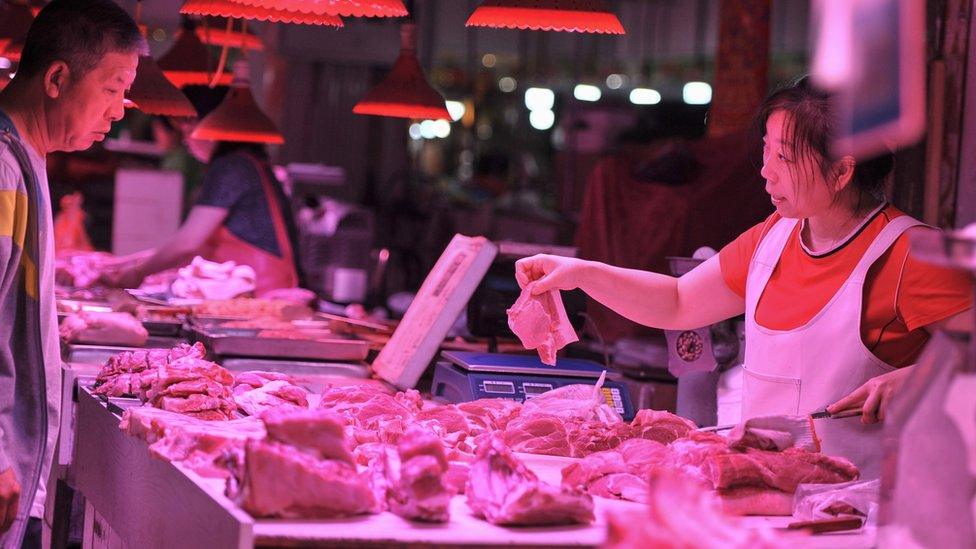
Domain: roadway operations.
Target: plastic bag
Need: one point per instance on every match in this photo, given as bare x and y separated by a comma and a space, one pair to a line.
584, 402
823, 501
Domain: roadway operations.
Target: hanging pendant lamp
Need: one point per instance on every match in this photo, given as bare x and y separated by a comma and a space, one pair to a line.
547, 15
227, 8
215, 33
188, 61
345, 8
238, 117
15, 20
153, 93
405, 92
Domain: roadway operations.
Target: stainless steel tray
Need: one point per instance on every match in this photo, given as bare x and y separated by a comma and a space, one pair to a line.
99, 354
246, 343
164, 328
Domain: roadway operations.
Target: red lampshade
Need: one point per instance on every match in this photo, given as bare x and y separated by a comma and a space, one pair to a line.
238, 117
218, 35
547, 15
15, 20
153, 93
227, 8
405, 93
188, 62
345, 8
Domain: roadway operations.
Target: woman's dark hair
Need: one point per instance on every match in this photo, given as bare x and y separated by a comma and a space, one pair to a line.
810, 127
80, 33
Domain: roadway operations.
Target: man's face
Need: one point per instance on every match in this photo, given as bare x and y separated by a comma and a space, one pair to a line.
85, 107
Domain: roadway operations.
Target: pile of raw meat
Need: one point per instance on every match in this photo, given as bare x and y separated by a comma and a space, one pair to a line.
203, 279
81, 269
363, 449
177, 380
749, 481
181, 380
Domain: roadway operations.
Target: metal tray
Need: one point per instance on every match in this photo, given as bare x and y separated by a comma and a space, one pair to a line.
246, 343
99, 354
163, 328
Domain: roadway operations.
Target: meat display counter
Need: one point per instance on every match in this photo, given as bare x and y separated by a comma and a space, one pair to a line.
134, 499
143, 501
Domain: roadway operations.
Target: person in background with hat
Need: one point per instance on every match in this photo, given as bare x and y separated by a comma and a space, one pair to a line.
241, 213
79, 58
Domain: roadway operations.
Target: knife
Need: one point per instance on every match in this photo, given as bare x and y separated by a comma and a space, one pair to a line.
822, 414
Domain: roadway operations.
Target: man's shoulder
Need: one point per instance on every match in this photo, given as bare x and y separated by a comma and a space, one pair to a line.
11, 174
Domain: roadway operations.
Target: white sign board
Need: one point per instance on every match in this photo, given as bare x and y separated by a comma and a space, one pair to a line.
443, 295
148, 207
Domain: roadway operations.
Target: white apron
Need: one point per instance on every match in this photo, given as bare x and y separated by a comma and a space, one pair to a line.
804, 370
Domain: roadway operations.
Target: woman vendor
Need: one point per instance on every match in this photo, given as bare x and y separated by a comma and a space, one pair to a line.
837, 310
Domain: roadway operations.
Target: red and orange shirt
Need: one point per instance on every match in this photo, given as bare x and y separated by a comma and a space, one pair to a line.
902, 295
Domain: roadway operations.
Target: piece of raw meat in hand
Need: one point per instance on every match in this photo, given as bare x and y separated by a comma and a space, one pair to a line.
540, 322
502, 490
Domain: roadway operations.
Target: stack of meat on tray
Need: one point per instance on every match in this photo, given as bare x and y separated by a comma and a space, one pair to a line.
177, 380
364, 449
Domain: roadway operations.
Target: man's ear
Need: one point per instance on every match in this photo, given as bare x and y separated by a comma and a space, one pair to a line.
56, 79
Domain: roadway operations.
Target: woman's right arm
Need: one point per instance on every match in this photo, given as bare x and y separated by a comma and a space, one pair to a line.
698, 298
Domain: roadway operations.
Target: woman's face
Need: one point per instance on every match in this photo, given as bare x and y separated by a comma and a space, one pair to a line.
797, 186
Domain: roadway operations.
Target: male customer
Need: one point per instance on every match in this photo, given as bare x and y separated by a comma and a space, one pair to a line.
79, 58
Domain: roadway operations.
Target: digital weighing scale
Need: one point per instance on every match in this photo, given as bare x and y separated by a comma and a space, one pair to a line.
465, 376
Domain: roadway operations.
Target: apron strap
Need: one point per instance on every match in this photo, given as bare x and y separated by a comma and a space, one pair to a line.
771, 247
277, 217
885, 239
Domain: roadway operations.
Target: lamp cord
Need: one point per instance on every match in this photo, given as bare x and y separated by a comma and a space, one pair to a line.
588, 321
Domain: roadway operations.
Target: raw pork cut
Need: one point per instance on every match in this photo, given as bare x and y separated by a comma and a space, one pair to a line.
682, 515
502, 490
303, 469
410, 479
538, 434
314, 429
663, 427
193, 386
617, 473
103, 329
489, 414
203, 279
371, 413
80, 269
753, 500
779, 470
211, 449
256, 391
540, 322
